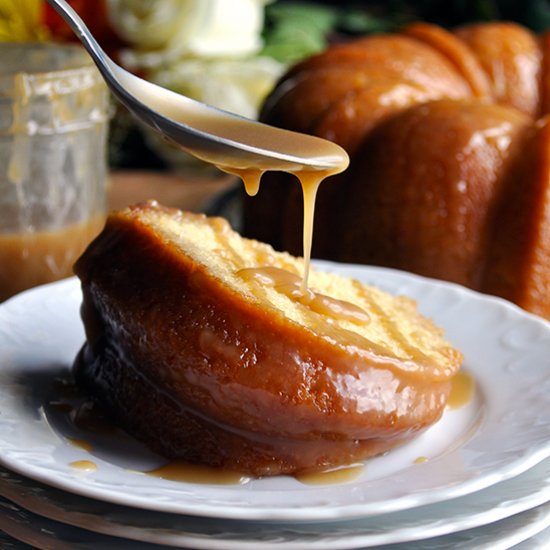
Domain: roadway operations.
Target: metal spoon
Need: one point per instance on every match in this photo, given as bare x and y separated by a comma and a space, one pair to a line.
224, 139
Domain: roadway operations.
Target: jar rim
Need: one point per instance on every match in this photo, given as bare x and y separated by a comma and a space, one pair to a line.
72, 70
41, 59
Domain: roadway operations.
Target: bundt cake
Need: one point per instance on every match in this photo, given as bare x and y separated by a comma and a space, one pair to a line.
203, 345
449, 141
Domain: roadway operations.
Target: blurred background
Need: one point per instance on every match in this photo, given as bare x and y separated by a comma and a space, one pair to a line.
230, 54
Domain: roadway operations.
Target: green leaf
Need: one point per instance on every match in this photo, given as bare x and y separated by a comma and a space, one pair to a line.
295, 30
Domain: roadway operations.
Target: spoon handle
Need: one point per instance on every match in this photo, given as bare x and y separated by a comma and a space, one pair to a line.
85, 36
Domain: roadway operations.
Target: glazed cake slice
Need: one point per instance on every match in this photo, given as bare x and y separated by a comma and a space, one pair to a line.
203, 345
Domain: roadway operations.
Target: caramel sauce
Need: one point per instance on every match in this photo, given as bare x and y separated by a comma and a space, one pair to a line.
301, 148
178, 470
462, 390
88, 418
251, 178
310, 184
332, 477
80, 443
295, 152
86, 465
292, 148
30, 259
290, 285
286, 144
310, 181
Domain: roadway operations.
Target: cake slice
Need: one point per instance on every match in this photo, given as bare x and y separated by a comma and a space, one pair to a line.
203, 345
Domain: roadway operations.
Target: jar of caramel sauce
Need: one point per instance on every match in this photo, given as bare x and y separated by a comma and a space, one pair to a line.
54, 109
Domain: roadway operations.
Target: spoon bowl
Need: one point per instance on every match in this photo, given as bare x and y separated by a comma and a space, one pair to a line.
229, 141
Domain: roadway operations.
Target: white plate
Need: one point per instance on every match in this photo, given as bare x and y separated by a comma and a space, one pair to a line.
501, 433
47, 534
501, 501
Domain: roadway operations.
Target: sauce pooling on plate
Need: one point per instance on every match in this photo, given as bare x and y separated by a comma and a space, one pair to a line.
337, 476
92, 432
179, 470
89, 421
462, 390
85, 465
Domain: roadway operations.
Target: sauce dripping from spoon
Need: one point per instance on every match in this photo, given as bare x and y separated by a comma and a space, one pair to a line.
310, 180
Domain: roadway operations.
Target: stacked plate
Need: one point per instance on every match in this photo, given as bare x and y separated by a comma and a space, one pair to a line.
479, 478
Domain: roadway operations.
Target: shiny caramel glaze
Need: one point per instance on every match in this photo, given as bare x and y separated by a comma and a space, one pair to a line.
292, 285
85, 465
224, 373
449, 146
511, 57
443, 201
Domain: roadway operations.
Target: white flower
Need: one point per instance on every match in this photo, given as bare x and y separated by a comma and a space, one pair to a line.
204, 49
162, 31
235, 85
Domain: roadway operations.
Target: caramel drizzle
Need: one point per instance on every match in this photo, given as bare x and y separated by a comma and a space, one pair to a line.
310, 181
284, 281
291, 285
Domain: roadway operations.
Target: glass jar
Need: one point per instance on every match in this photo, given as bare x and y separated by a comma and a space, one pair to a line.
54, 109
